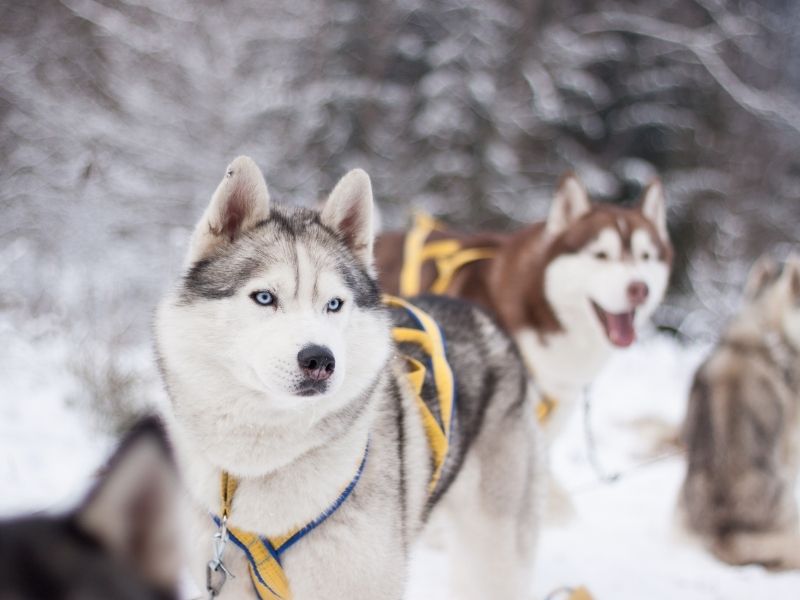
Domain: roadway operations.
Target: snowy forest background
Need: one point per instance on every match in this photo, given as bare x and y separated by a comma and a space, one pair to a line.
118, 117
117, 120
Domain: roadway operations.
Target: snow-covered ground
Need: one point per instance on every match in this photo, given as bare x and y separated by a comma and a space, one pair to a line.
48, 451
622, 544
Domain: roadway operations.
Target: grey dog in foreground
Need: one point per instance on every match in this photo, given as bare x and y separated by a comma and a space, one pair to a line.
277, 353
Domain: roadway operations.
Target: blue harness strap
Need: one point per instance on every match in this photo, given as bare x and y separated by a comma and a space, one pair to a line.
308, 528
264, 554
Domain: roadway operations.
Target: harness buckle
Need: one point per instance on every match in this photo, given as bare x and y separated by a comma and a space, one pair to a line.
216, 571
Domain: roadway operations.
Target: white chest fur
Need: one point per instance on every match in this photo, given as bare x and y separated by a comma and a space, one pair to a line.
562, 366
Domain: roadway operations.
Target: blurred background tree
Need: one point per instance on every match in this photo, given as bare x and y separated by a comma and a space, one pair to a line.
117, 119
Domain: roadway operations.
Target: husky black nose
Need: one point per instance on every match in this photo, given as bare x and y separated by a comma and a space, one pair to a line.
316, 362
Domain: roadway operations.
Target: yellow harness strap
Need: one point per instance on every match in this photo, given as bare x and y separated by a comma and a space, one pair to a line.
264, 554
414, 243
228, 489
266, 573
448, 255
545, 408
429, 339
580, 593
268, 577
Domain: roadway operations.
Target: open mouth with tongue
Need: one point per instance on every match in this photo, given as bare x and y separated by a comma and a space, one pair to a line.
619, 327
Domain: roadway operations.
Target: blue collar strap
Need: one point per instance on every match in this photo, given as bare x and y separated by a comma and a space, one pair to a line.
264, 554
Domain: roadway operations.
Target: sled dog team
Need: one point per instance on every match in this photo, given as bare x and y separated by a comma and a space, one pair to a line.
323, 408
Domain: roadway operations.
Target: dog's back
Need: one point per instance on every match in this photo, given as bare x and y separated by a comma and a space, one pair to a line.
119, 545
741, 434
733, 434
489, 378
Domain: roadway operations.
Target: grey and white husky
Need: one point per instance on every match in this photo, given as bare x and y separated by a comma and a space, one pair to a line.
742, 429
277, 353
122, 543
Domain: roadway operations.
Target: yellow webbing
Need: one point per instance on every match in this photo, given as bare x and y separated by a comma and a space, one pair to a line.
229, 485
268, 577
412, 254
545, 408
448, 255
448, 266
429, 339
580, 593
263, 554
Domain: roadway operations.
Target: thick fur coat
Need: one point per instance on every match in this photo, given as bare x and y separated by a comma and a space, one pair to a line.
742, 429
262, 285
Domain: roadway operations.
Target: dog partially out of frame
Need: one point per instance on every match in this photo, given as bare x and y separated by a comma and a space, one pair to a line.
277, 353
122, 543
568, 290
742, 429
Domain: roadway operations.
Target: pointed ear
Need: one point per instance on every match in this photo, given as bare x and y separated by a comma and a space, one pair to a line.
762, 273
133, 510
791, 276
348, 212
570, 203
653, 207
241, 201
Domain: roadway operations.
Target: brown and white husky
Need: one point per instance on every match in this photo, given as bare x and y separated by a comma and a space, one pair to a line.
568, 290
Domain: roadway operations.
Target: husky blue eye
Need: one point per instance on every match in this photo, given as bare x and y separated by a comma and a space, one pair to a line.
263, 298
334, 304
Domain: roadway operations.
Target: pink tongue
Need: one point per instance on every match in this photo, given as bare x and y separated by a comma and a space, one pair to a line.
620, 329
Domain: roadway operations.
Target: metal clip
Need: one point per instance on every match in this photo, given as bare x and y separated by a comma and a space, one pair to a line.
216, 571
